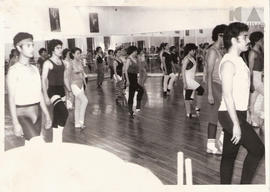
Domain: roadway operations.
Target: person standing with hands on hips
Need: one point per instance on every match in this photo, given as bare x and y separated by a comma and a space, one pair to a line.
232, 115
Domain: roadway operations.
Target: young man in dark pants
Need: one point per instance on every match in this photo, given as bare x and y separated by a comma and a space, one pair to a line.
235, 79
54, 80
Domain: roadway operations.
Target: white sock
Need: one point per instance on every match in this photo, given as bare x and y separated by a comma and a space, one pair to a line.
211, 143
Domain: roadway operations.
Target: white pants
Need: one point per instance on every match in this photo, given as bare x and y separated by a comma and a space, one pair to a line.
80, 104
166, 79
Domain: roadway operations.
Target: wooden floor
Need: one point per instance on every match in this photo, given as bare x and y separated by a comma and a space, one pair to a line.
152, 139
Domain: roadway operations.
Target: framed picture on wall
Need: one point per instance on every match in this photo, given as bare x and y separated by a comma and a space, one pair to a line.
107, 41
187, 32
93, 19
54, 19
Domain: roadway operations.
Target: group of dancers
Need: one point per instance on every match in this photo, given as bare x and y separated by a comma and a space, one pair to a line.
61, 83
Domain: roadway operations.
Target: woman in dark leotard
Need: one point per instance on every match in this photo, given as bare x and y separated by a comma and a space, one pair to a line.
118, 76
132, 70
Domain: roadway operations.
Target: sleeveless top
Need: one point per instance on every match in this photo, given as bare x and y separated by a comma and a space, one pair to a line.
258, 61
133, 67
168, 61
241, 83
119, 68
215, 73
56, 74
99, 61
77, 74
27, 82
190, 69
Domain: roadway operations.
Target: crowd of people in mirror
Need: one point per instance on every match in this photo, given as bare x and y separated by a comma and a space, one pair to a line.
232, 66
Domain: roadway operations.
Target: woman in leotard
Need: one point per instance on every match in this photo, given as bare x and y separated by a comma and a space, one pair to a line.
118, 67
77, 83
132, 70
142, 70
99, 66
189, 66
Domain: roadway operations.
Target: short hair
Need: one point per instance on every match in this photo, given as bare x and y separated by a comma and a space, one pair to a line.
162, 45
41, 50
232, 31
139, 50
131, 49
110, 51
73, 51
97, 49
117, 50
21, 36
217, 30
52, 44
189, 47
65, 52
255, 36
172, 48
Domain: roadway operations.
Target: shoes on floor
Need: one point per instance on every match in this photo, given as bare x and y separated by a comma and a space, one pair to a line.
214, 151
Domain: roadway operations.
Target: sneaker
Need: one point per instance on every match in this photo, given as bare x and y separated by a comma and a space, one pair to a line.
168, 91
164, 93
138, 110
197, 111
213, 150
189, 115
211, 147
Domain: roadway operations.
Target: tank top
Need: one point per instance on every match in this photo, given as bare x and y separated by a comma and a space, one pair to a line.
190, 68
56, 74
27, 82
119, 68
241, 83
133, 67
215, 73
99, 61
258, 61
168, 61
77, 74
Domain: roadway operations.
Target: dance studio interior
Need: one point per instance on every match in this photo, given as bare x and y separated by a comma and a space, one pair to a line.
135, 85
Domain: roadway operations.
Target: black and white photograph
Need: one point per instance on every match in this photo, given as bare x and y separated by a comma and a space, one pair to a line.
54, 19
152, 98
93, 20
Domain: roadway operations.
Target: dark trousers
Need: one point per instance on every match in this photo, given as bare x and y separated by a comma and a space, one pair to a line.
134, 86
100, 76
111, 71
249, 140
